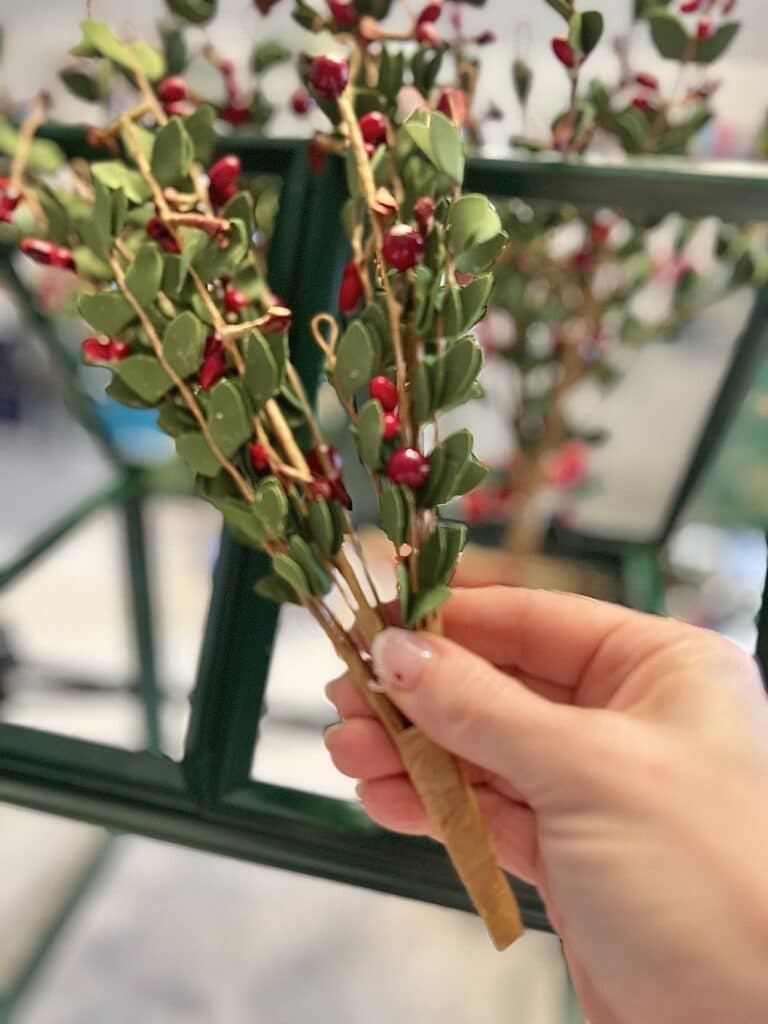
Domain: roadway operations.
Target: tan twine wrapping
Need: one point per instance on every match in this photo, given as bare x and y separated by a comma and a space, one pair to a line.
451, 806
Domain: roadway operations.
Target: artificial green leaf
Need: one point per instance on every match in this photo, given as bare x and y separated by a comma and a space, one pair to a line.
319, 580
394, 514
669, 35
430, 559
417, 128
184, 342
522, 77
472, 476
228, 417
426, 603
447, 146
391, 72
289, 570
455, 535
144, 375
403, 589
459, 370
453, 318
273, 588
44, 155
321, 526
240, 207
267, 54
355, 360
173, 420
107, 312
196, 11
459, 446
120, 392
119, 210
421, 396
591, 31
340, 523
172, 154
709, 50
89, 265
145, 274
370, 433
271, 504
56, 216
278, 346
194, 450
174, 50
199, 127
92, 88
438, 462
116, 175
474, 300
261, 376
149, 60
243, 523
216, 261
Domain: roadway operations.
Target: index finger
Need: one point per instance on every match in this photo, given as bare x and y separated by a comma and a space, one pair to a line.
550, 635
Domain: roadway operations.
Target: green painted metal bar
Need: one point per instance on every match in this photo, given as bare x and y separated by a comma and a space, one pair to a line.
142, 617
67, 366
239, 635
80, 887
761, 651
749, 352
113, 493
143, 794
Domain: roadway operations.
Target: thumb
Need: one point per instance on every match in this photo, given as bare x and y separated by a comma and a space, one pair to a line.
481, 714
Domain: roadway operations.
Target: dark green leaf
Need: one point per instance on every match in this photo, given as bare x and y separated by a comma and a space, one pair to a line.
228, 417
183, 343
319, 580
261, 377
116, 175
196, 11
145, 274
709, 50
273, 588
272, 505
355, 360
172, 154
522, 77
669, 35
199, 127
267, 54
394, 514
421, 397
370, 433
472, 476
243, 523
321, 527
460, 361
340, 525
425, 603
144, 375
88, 87
289, 570
455, 535
430, 560
107, 312
591, 31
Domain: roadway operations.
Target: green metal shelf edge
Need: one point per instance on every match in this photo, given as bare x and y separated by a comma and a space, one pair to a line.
736, 191
278, 827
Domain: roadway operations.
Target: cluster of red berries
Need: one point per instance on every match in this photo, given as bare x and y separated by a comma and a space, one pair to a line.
405, 466
104, 350
10, 197
222, 178
47, 253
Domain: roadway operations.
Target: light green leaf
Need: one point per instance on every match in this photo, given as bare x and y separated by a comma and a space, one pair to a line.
447, 147
271, 505
228, 417
107, 312
183, 343
172, 154
116, 175
199, 127
261, 376
355, 360
194, 450
321, 526
145, 274
370, 433
394, 514
144, 375
289, 570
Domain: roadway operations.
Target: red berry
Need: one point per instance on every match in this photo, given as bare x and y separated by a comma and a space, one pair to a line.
172, 89
234, 113
370, 149
486, 38
431, 12
214, 346
276, 320
391, 425
641, 103
343, 11
690, 6
427, 34
567, 466
647, 80
385, 392
319, 487
564, 51
424, 212
373, 127
212, 370
96, 350
329, 76
159, 233
48, 254
225, 171
403, 247
235, 300
453, 104
704, 28
301, 102
350, 290
324, 461
220, 196
119, 350
259, 457
409, 467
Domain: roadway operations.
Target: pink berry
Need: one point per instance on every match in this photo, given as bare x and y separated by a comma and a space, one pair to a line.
225, 171
259, 457
385, 392
403, 247
373, 127
409, 467
343, 11
235, 300
301, 102
564, 51
424, 212
329, 76
172, 89
391, 425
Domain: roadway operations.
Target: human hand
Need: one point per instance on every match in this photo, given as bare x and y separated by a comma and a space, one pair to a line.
621, 761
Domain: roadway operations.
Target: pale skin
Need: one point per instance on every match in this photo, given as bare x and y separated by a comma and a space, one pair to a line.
621, 761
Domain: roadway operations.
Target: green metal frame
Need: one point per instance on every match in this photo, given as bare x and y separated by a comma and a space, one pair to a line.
208, 800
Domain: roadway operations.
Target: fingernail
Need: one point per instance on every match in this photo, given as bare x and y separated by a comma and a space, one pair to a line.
400, 658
